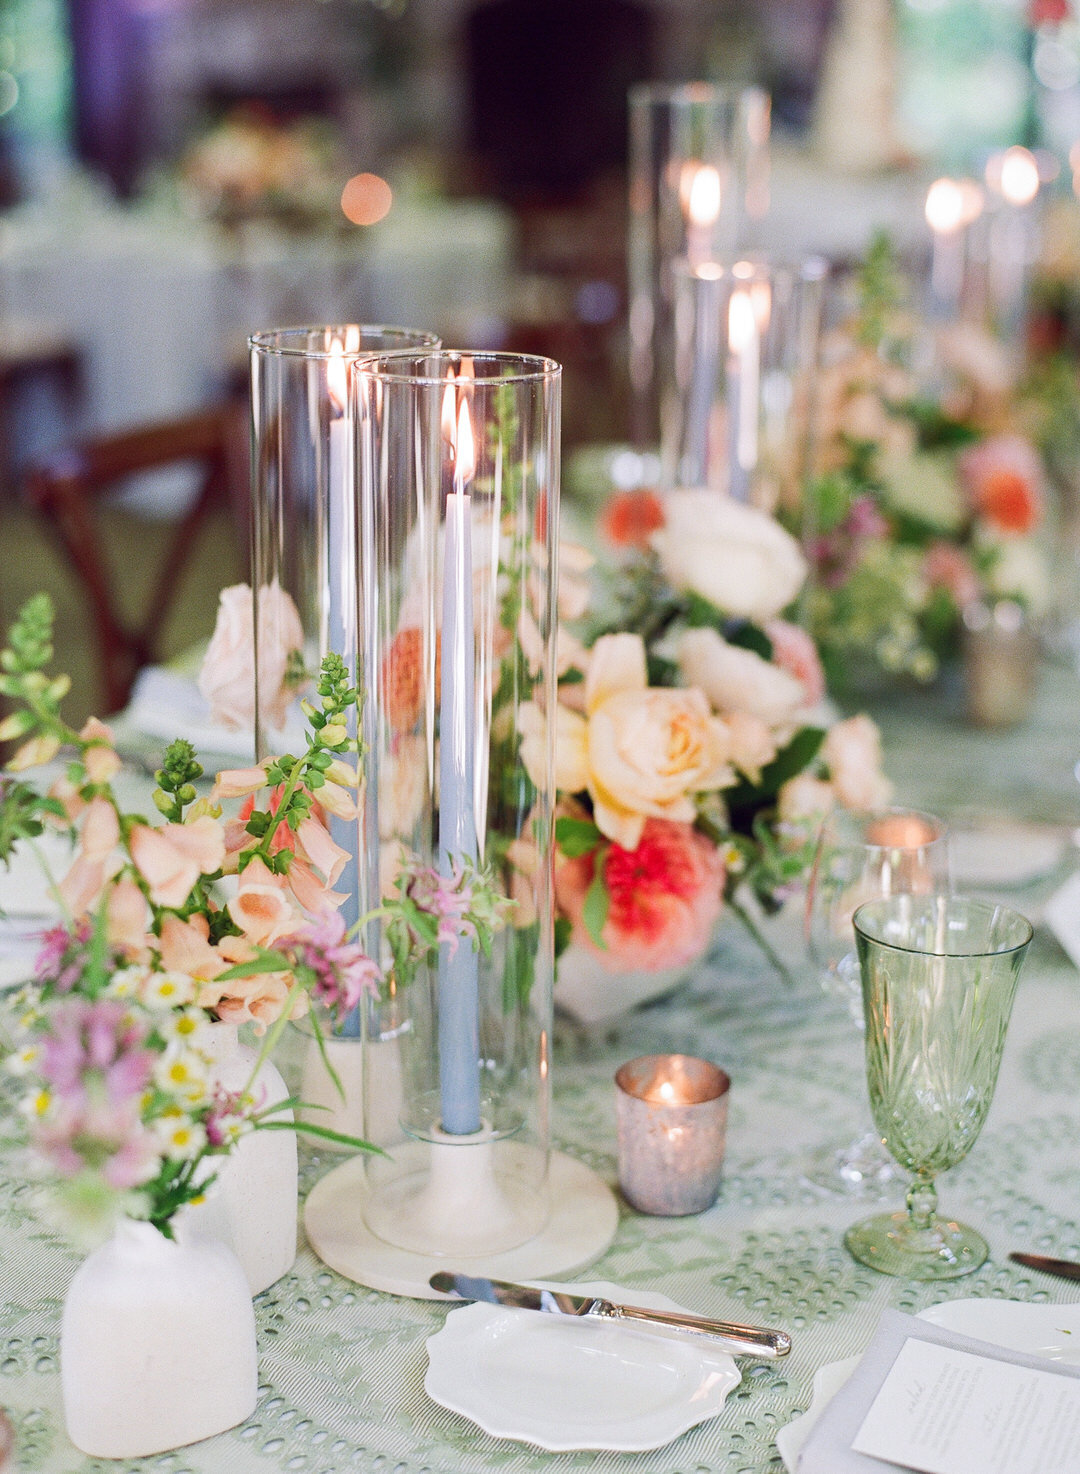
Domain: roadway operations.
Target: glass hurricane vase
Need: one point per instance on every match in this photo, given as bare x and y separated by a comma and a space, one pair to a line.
939, 975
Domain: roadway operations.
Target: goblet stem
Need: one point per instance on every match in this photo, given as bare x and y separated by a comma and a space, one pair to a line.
922, 1204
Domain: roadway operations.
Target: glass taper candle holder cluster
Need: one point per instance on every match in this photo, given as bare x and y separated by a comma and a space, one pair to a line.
457, 460
736, 407
303, 551
939, 975
699, 183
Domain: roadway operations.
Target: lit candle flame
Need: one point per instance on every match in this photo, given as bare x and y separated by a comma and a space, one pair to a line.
944, 206
666, 1091
464, 448
703, 195
1017, 175
742, 324
337, 376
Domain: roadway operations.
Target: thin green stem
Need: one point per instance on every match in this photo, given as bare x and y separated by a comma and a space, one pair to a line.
763, 942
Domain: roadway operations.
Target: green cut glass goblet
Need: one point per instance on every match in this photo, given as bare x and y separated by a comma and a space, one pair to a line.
939, 974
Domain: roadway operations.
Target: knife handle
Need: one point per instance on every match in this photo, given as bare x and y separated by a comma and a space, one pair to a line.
740, 1340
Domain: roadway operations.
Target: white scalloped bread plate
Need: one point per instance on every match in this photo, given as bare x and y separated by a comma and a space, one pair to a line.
564, 1384
1051, 1331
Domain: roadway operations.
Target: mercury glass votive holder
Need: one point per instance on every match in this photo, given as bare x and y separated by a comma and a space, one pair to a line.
672, 1122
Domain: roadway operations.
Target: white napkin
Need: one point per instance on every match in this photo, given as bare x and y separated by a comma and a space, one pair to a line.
168, 705
828, 1448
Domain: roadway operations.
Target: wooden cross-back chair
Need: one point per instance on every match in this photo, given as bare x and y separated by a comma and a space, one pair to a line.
65, 487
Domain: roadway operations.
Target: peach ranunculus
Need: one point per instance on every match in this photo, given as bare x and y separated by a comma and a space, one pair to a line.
666, 895
735, 679
644, 751
227, 678
630, 518
1003, 478
172, 858
736, 556
852, 753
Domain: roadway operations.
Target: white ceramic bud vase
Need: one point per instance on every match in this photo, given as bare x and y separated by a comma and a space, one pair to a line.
252, 1206
157, 1345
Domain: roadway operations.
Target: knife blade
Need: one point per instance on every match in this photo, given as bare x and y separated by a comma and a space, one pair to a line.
1066, 1269
730, 1336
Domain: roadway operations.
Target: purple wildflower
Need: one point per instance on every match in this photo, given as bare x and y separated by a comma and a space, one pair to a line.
342, 971
448, 899
95, 1048
63, 956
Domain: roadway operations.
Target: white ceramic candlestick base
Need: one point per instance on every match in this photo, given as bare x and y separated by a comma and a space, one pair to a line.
580, 1226
460, 1196
157, 1345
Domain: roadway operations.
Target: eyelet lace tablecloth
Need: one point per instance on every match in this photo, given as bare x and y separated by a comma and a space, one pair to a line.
342, 1368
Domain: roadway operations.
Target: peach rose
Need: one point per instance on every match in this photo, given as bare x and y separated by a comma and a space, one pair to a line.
852, 752
735, 679
644, 750
752, 744
804, 798
666, 895
227, 678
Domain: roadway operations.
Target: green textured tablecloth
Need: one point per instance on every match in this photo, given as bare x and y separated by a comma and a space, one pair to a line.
342, 1368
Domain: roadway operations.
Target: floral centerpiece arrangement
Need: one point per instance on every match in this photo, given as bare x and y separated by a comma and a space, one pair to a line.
694, 754
168, 927
927, 495
251, 164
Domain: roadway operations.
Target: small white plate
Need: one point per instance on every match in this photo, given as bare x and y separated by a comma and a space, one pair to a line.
565, 1384
1050, 1331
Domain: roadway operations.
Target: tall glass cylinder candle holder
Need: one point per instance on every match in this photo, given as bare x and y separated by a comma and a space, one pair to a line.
458, 493
737, 412
303, 546
699, 180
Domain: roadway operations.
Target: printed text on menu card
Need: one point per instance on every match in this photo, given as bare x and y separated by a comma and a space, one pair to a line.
943, 1411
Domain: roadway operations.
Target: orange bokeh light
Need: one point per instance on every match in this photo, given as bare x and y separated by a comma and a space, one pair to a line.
366, 199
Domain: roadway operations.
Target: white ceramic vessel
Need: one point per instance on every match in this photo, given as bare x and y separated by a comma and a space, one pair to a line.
251, 1208
157, 1345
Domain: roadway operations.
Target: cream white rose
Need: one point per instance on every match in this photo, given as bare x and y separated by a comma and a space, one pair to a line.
227, 678
737, 557
738, 680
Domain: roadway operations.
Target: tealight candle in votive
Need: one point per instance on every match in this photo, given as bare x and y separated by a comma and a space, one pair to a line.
905, 834
672, 1119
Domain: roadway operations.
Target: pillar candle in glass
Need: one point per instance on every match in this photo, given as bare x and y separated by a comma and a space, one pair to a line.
672, 1122
458, 463
304, 530
699, 172
737, 407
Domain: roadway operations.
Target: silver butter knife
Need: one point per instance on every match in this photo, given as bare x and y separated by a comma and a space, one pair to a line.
728, 1336
1066, 1269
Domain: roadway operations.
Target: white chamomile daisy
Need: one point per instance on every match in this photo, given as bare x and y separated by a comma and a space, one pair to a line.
180, 1136
185, 1029
37, 1105
183, 1075
22, 1060
127, 982
167, 989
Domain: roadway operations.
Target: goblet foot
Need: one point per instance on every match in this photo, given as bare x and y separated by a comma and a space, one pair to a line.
892, 1244
862, 1169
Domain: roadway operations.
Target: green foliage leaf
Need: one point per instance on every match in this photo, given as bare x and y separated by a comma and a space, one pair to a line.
576, 837
750, 637
597, 905
795, 758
